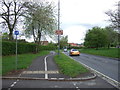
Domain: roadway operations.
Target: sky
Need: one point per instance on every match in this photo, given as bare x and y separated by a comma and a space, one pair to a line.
77, 16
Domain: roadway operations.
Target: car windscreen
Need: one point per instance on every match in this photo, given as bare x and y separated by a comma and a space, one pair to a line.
74, 50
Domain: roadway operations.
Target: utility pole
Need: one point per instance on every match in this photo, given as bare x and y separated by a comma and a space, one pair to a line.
58, 27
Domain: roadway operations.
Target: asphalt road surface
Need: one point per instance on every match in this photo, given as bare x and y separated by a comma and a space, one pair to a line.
95, 83
106, 66
44, 64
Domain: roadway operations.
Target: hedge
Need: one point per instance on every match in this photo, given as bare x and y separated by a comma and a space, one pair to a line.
9, 48
48, 47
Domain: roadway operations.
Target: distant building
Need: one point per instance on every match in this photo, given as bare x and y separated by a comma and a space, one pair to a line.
73, 44
44, 43
76, 45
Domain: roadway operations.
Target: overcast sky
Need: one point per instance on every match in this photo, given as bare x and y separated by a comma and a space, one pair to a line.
77, 16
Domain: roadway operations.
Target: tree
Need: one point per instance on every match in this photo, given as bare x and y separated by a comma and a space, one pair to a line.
95, 38
64, 42
112, 36
11, 11
115, 17
40, 20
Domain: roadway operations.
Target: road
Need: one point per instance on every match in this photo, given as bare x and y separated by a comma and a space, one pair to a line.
95, 83
106, 66
38, 69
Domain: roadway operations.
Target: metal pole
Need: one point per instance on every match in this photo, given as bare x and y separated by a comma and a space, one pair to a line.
58, 26
16, 54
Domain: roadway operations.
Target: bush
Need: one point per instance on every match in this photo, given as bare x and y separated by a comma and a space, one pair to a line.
9, 48
74, 47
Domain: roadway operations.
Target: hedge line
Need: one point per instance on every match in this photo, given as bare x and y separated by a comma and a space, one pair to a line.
9, 48
76, 47
49, 47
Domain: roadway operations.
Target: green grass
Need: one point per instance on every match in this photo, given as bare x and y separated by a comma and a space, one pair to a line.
68, 66
24, 60
112, 52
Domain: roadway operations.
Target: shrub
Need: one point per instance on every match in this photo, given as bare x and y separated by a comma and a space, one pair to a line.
74, 47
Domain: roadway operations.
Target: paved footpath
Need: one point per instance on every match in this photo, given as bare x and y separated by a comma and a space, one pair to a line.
44, 73
43, 67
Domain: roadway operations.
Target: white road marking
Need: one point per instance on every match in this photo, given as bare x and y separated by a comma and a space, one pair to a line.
75, 84
46, 75
12, 85
45, 60
40, 72
77, 87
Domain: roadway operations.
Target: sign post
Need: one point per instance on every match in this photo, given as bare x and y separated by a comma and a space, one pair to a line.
59, 32
16, 61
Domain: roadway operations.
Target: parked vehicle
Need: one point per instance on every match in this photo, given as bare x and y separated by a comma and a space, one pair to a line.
74, 52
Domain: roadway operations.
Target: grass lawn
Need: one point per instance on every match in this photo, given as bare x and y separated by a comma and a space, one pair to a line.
68, 66
24, 60
112, 52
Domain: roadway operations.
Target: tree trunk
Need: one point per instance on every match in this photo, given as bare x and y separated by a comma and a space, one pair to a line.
39, 39
108, 46
11, 36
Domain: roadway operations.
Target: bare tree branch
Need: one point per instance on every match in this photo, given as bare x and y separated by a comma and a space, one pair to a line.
11, 11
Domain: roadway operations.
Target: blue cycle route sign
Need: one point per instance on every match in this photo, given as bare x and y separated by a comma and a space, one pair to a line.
16, 32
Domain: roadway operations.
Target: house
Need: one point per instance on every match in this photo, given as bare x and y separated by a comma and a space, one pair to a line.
73, 44
44, 43
76, 45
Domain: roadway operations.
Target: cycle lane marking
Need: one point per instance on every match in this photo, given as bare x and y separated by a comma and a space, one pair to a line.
45, 61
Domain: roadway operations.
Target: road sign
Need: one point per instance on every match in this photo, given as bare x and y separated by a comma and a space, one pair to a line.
59, 32
16, 32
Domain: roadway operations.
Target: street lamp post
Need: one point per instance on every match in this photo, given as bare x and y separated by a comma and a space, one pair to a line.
58, 27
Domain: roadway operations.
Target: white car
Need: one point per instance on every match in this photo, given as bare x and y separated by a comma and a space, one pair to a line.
65, 50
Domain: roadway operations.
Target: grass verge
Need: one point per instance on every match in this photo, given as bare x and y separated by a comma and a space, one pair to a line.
112, 52
68, 66
24, 60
